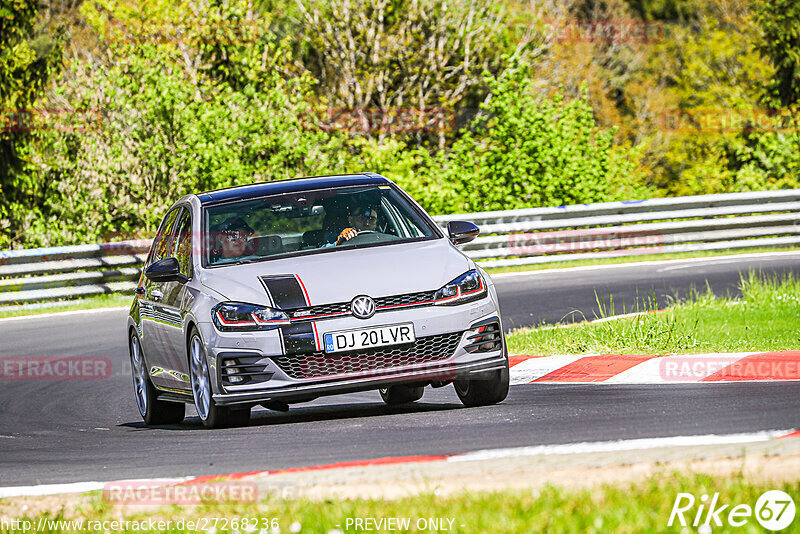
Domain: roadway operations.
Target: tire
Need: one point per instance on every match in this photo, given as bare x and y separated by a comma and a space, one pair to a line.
152, 410
394, 395
211, 414
483, 389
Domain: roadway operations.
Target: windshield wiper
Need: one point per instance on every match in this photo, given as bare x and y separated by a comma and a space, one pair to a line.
242, 262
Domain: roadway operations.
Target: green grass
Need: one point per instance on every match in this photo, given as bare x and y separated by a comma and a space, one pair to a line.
765, 318
102, 301
633, 507
636, 259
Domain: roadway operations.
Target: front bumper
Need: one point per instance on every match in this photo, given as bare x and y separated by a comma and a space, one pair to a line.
266, 349
439, 372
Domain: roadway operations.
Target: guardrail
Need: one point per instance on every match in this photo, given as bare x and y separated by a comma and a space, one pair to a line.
513, 237
45, 274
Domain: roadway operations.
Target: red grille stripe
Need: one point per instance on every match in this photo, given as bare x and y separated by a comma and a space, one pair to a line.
305, 293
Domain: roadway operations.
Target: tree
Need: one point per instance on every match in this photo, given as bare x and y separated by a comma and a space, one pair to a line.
530, 152
401, 60
779, 21
171, 118
27, 60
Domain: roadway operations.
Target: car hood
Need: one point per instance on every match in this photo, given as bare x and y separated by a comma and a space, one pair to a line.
340, 275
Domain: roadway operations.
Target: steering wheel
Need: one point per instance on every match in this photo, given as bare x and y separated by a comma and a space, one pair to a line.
366, 236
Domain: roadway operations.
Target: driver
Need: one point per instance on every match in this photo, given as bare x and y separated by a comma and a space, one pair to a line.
361, 219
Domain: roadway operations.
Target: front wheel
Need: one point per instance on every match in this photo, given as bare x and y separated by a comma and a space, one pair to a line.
211, 414
483, 389
152, 410
394, 395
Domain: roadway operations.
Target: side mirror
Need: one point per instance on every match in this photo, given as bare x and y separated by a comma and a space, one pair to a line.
461, 232
166, 270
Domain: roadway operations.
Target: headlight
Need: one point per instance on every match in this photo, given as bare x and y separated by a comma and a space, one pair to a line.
237, 317
467, 287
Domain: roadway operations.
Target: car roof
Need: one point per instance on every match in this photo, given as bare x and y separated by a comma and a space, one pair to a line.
294, 185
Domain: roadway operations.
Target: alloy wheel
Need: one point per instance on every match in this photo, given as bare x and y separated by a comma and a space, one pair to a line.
139, 375
201, 386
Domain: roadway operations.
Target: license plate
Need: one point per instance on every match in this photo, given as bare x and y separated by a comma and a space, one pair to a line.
367, 338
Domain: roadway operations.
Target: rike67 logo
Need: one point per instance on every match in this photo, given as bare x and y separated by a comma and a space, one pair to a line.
774, 510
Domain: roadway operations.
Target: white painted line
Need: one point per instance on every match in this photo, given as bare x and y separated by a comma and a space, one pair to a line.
621, 445
62, 314
75, 487
539, 272
691, 266
49, 489
582, 323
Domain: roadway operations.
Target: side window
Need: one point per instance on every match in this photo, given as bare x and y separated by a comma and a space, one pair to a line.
182, 248
162, 241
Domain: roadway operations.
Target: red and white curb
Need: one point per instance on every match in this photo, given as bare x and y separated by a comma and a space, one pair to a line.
489, 454
643, 369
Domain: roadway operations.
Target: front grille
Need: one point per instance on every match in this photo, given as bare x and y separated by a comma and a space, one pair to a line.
324, 309
318, 364
422, 298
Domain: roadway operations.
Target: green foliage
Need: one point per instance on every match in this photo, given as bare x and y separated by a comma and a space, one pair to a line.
780, 25
528, 152
162, 97
715, 79
394, 55
27, 60
173, 122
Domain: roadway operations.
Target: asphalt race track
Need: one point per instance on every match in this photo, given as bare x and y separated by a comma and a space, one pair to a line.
71, 431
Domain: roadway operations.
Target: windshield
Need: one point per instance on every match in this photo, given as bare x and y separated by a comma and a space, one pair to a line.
309, 222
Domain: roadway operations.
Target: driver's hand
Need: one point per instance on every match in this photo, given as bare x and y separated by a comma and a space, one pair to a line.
347, 233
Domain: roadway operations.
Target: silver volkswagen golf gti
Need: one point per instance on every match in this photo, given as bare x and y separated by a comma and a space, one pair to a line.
279, 293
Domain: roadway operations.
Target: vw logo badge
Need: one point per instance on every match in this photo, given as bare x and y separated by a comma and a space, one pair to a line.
363, 307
